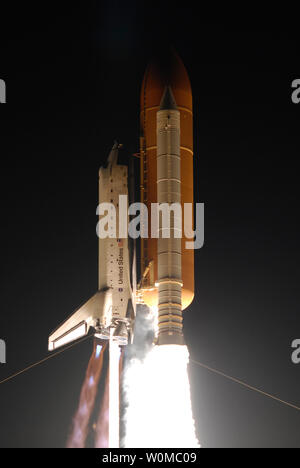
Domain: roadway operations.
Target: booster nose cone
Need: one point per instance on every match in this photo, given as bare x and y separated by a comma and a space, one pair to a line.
168, 101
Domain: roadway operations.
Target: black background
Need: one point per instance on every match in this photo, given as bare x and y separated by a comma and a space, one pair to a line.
73, 80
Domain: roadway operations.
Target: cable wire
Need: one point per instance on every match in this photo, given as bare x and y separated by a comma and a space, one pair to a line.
215, 371
250, 387
43, 360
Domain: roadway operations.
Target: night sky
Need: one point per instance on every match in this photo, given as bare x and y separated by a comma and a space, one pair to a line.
73, 80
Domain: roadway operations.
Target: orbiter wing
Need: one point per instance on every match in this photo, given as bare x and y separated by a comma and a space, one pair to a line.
98, 309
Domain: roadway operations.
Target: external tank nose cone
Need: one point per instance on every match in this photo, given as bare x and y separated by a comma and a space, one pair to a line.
166, 69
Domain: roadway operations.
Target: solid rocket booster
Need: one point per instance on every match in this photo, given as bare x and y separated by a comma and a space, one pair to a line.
169, 248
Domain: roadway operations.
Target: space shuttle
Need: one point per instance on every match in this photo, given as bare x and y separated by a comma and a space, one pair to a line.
166, 282
110, 312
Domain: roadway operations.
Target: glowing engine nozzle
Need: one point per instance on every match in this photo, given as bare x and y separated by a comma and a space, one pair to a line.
170, 338
120, 335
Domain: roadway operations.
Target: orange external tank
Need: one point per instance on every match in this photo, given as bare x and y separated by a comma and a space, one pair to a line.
165, 70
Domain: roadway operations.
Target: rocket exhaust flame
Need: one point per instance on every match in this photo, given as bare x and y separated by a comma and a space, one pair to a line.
107, 429
79, 431
159, 411
101, 438
114, 395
